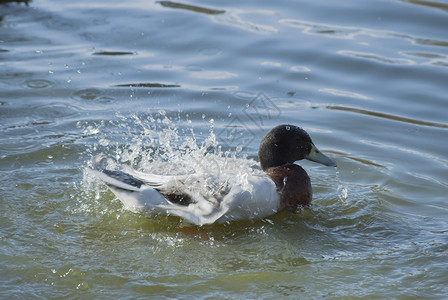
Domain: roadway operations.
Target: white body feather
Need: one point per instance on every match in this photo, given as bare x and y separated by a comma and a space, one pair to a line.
255, 198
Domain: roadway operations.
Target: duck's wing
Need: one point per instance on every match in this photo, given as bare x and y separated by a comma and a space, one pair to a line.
182, 188
99, 164
135, 195
168, 195
153, 180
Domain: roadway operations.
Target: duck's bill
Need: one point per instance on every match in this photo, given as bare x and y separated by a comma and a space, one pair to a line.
317, 156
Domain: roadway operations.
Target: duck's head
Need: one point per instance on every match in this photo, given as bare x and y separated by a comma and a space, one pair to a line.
286, 144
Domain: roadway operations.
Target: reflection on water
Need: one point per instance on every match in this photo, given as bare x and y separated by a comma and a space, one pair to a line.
161, 85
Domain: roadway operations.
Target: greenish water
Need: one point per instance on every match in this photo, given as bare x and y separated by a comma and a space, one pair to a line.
131, 79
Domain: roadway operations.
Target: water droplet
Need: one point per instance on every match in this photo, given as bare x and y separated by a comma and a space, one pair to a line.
104, 142
83, 286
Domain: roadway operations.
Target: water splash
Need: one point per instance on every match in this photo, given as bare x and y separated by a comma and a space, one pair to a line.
342, 193
166, 145
342, 190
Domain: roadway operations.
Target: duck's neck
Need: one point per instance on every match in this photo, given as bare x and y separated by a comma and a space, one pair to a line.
293, 185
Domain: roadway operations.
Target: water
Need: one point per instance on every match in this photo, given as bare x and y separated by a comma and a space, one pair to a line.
147, 81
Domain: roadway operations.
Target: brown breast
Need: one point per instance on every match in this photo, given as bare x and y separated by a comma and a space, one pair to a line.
293, 185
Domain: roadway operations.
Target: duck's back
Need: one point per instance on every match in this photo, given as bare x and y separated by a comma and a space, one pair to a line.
254, 199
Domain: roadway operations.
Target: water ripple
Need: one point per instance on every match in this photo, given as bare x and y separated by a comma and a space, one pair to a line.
148, 85
38, 83
92, 94
433, 4
361, 160
387, 116
344, 93
213, 75
407, 150
210, 51
189, 7
432, 58
376, 57
113, 53
351, 33
234, 18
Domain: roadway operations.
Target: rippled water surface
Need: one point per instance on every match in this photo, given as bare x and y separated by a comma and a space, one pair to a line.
161, 83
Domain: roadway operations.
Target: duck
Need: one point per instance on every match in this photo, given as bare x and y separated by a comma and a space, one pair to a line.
283, 184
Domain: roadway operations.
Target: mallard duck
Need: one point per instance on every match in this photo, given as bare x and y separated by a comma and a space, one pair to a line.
283, 184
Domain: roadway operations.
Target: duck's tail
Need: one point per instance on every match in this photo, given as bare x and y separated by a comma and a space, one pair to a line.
135, 194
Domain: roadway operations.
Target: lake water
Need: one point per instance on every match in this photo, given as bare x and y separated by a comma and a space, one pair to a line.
161, 83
